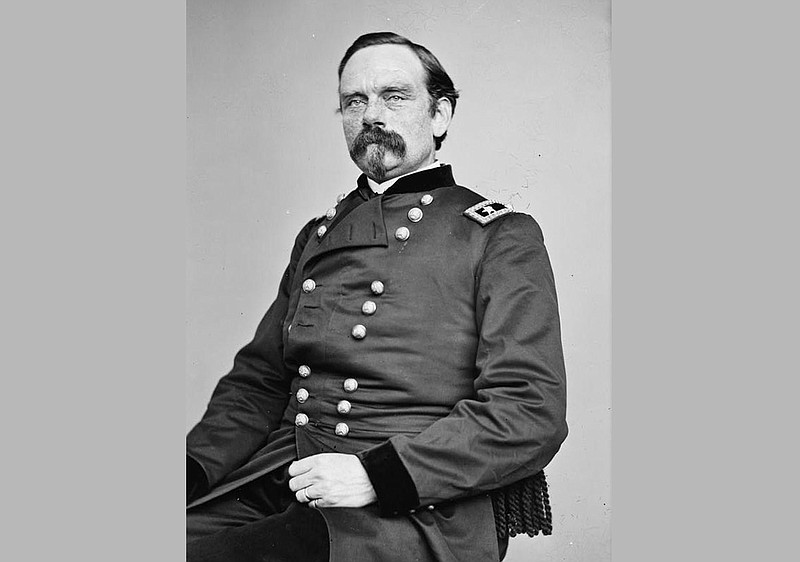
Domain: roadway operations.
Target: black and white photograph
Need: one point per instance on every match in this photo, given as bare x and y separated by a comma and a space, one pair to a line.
398, 281
356, 258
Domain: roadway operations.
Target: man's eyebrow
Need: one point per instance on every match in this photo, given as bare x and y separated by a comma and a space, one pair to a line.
350, 94
399, 88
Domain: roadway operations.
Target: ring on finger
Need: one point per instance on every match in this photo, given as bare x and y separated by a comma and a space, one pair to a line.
305, 495
314, 502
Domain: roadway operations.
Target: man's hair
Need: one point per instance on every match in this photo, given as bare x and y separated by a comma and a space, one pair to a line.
438, 82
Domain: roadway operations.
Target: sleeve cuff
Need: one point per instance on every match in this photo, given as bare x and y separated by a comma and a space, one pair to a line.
392, 483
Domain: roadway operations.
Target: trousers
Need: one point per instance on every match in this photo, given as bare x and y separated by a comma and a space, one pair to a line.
260, 522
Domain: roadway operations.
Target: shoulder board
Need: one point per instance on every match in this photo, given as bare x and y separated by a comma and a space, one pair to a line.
486, 211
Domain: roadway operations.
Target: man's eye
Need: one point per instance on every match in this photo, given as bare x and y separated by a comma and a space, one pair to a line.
355, 102
394, 97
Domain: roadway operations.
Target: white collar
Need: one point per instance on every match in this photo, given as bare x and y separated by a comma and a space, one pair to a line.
381, 187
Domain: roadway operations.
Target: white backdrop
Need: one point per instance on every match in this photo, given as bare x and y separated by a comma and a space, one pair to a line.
532, 128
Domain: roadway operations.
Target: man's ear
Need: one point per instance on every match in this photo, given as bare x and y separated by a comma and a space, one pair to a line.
442, 115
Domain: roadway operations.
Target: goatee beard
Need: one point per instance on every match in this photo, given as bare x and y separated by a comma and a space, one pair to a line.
383, 141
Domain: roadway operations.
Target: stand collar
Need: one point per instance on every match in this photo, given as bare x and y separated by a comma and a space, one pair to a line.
425, 180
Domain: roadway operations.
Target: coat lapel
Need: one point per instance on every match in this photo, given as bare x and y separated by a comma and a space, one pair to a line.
363, 226
359, 221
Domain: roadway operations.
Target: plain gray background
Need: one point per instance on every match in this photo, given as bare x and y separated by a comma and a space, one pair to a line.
532, 128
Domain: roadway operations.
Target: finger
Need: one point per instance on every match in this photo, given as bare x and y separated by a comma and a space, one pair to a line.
302, 481
302, 466
302, 496
307, 494
316, 503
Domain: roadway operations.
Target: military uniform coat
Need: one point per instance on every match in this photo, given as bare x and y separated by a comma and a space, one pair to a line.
425, 340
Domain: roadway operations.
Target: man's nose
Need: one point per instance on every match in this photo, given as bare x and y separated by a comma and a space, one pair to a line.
373, 114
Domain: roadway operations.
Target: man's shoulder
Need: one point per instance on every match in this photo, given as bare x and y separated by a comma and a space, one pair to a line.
480, 210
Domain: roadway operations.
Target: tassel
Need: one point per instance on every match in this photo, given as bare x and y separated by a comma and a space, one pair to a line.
523, 507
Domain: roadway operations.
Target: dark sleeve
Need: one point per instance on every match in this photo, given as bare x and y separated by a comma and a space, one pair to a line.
247, 403
391, 481
516, 421
196, 481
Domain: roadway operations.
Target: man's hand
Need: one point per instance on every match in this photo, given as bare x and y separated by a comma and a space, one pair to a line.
331, 480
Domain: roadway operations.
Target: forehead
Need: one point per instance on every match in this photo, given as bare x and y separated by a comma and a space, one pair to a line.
379, 65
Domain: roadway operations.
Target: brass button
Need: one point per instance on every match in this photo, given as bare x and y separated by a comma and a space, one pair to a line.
321, 231
427, 199
304, 370
430, 508
402, 234
340, 197
300, 420
359, 331
369, 307
377, 287
415, 214
342, 429
302, 395
350, 385
309, 285
330, 213
343, 407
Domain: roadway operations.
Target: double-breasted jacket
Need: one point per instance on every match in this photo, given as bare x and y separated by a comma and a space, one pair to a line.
419, 330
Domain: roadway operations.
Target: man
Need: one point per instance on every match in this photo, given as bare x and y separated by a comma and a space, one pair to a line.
404, 391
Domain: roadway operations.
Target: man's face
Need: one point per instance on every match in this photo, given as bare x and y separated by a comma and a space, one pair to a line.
386, 112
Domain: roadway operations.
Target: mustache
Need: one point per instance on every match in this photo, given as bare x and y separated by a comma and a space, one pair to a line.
388, 140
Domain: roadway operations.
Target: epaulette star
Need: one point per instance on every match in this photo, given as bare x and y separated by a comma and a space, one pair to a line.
486, 211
